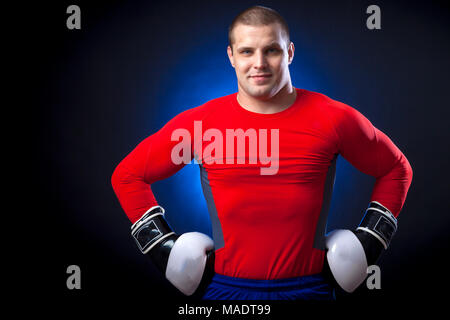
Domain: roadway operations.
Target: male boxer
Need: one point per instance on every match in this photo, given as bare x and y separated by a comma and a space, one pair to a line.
268, 225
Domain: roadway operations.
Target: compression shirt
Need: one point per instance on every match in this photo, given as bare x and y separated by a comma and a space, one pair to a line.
268, 198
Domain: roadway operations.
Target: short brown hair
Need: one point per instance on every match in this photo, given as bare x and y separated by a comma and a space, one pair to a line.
256, 16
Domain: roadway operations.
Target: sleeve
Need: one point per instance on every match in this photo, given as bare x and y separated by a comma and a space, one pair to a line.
149, 162
373, 153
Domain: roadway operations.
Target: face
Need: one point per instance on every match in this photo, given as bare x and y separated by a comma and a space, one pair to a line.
261, 57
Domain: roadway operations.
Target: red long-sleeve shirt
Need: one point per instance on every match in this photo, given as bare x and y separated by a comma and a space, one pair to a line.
266, 225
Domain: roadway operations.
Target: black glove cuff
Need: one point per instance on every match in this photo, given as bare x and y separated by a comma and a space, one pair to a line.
161, 251
151, 229
373, 248
379, 222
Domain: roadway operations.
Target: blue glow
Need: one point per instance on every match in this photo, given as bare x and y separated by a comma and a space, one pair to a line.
197, 77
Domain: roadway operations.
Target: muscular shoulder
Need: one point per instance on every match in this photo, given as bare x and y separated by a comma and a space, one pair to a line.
205, 111
199, 113
328, 105
345, 120
338, 112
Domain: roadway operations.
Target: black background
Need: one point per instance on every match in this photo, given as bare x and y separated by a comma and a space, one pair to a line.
81, 105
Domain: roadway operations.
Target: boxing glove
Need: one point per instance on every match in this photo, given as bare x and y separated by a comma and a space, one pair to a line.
349, 253
186, 260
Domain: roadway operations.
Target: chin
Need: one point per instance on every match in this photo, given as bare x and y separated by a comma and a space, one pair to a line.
263, 92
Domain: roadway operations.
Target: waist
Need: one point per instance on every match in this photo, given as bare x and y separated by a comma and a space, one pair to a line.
285, 284
268, 258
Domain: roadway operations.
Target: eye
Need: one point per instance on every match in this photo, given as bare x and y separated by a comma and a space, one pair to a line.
273, 50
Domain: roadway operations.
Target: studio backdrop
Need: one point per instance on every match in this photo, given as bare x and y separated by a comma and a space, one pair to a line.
101, 87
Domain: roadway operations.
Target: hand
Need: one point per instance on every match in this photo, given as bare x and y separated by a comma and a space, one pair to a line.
349, 253
187, 261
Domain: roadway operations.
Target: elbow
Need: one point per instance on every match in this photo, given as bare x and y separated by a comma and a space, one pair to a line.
117, 178
407, 171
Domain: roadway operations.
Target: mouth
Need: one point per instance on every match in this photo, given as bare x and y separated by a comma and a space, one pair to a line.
261, 77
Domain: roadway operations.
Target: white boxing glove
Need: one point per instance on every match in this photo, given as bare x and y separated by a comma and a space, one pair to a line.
346, 259
187, 261
349, 253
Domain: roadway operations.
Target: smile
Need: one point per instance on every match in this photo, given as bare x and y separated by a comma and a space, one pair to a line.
262, 78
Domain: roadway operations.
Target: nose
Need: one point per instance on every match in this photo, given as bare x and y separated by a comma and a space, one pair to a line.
260, 60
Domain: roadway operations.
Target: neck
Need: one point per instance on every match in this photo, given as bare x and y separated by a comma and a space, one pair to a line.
279, 102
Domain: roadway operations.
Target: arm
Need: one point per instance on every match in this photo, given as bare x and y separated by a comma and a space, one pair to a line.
185, 259
372, 152
149, 162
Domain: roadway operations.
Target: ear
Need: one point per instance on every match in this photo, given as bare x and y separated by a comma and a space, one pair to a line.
291, 50
230, 55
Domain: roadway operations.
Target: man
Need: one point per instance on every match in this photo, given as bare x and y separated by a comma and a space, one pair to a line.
268, 201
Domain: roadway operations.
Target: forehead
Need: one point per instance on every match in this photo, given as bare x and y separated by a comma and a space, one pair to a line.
253, 36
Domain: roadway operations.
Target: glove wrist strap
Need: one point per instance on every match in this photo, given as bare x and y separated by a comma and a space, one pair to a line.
151, 229
379, 222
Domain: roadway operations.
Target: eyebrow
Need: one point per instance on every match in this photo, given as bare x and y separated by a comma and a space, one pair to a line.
273, 44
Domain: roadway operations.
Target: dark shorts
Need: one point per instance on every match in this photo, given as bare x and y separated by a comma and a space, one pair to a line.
313, 287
